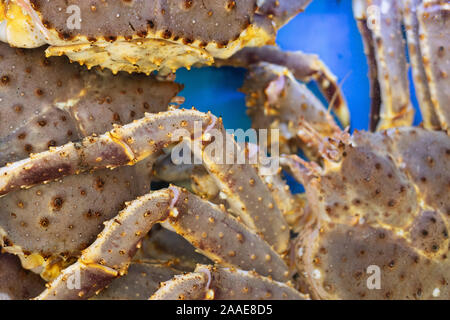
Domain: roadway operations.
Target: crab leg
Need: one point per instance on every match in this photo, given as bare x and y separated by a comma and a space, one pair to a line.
434, 42
200, 182
430, 118
99, 264
386, 39
145, 139
191, 286
228, 242
245, 192
142, 280
122, 146
92, 278
238, 247
290, 205
369, 50
305, 67
276, 100
15, 282
210, 282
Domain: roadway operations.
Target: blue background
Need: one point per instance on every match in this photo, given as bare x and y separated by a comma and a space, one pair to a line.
326, 28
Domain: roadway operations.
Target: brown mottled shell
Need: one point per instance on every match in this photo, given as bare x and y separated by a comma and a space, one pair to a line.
227, 242
381, 25
47, 102
384, 204
219, 20
144, 36
60, 219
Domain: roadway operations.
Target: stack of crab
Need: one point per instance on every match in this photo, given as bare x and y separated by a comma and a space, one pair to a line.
93, 206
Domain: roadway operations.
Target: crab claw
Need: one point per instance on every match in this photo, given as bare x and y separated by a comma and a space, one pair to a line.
276, 100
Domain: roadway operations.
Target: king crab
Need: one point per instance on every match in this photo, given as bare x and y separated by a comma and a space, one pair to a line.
372, 199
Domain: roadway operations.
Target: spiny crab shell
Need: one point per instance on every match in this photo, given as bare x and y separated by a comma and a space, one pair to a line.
47, 102
143, 36
382, 201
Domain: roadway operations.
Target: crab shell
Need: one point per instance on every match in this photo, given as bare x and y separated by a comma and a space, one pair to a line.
49, 102
143, 36
384, 205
